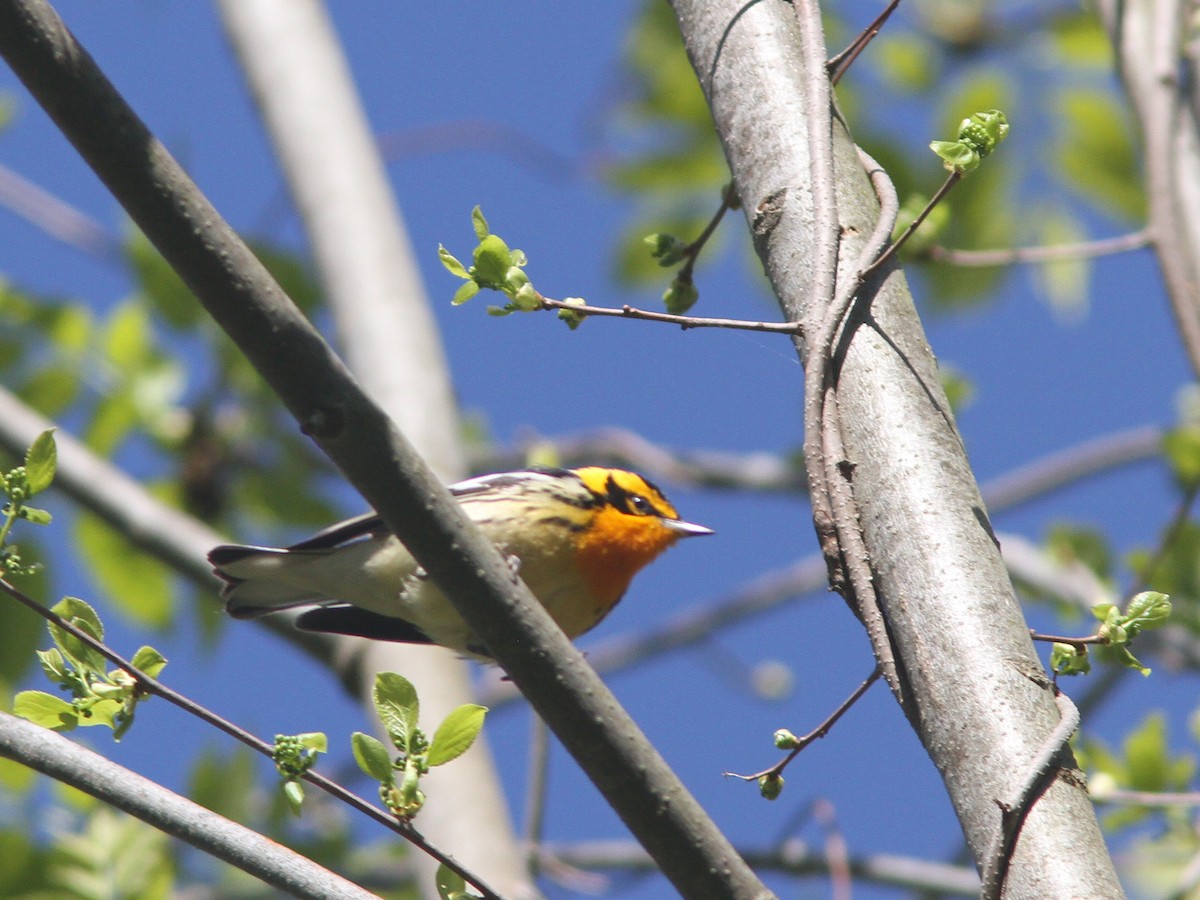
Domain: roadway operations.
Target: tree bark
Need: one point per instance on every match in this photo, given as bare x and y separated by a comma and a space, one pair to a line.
970, 683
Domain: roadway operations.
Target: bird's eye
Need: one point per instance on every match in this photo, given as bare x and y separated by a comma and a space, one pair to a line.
640, 504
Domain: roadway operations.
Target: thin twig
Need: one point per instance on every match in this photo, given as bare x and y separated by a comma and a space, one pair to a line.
729, 200
794, 858
951, 180
840, 64
1014, 811
156, 687
57, 218
684, 322
817, 733
1167, 800
1030, 255
1079, 643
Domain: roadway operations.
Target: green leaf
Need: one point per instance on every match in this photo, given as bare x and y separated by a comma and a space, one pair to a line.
51, 389
570, 316
1065, 659
41, 462
372, 757
35, 516
908, 61
479, 223
456, 734
1069, 543
313, 740
398, 708
956, 156
225, 782
149, 661
465, 292
492, 261
113, 419
82, 616
680, 297
54, 664
1146, 755
450, 261
293, 791
450, 885
45, 710
106, 713
136, 582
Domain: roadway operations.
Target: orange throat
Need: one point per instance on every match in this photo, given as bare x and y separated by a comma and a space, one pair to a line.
616, 548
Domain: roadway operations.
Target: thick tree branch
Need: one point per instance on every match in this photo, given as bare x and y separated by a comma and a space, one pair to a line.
963, 649
371, 452
64, 760
1148, 38
303, 87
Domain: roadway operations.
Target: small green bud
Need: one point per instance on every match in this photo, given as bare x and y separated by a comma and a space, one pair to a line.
785, 740
666, 248
572, 318
770, 786
1066, 659
526, 298
680, 297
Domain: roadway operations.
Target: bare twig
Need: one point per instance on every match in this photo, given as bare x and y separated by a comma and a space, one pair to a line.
838, 65
1053, 253
729, 200
951, 180
793, 858
817, 733
56, 217
684, 322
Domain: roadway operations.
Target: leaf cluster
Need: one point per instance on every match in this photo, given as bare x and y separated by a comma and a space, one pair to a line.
99, 695
399, 709
1118, 628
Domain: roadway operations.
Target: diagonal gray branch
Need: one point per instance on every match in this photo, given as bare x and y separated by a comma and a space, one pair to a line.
962, 647
68, 762
302, 85
373, 454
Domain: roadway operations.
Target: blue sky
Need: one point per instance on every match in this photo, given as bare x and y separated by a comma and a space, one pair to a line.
549, 69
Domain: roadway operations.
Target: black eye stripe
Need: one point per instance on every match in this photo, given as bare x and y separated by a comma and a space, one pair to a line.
629, 503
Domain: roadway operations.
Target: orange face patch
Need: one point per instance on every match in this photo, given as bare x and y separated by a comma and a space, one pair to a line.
615, 548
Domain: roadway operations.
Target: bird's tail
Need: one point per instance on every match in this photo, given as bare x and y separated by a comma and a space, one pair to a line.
261, 580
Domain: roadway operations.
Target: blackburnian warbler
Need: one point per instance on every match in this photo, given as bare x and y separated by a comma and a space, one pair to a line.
576, 536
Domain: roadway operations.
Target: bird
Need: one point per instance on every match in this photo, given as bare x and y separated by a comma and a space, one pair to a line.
576, 537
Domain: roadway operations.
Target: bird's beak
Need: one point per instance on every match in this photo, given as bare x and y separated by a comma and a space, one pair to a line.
686, 529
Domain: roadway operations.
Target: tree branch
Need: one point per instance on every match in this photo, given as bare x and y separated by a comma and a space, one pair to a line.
64, 760
792, 858
962, 645
303, 87
1148, 39
372, 453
